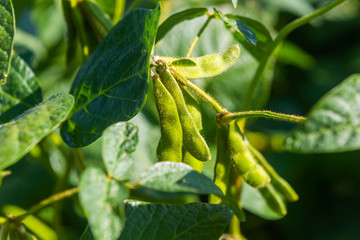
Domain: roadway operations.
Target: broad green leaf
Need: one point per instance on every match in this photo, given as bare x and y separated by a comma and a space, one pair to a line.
20, 93
332, 124
31, 222
177, 177
102, 199
179, 17
191, 221
237, 27
112, 85
263, 37
119, 142
205, 66
18, 136
253, 201
7, 31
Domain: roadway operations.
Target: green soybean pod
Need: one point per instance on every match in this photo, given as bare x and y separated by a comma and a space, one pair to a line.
205, 66
244, 161
192, 139
194, 110
273, 199
170, 144
282, 186
223, 164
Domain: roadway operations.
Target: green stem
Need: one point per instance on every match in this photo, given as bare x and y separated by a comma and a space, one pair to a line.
228, 117
47, 201
134, 5
192, 46
280, 37
199, 92
79, 158
118, 11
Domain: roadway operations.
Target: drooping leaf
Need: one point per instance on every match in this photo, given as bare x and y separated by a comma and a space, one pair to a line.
34, 224
7, 31
18, 136
102, 200
112, 85
177, 177
119, 142
191, 221
179, 17
237, 27
253, 201
332, 124
205, 66
20, 93
263, 37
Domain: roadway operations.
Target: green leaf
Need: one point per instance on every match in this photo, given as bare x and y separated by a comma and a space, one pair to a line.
7, 31
332, 124
253, 201
119, 142
191, 221
262, 35
20, 93
102, 200
237, 27
18, 136
177, 18
112, 85
177, 177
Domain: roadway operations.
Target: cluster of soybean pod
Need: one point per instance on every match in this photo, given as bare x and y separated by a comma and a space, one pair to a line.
181, 124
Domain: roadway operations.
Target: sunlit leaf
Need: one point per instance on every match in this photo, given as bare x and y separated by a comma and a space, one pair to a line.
18, 136
112, 85
20, 93
191, 221
177, 18
119, 142
102, 200
332, 124
7, 30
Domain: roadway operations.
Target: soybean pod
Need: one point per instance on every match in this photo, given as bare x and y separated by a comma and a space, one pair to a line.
192, 139
273, 199
194, 110
282, 186
223, 166
244, 161
170, 144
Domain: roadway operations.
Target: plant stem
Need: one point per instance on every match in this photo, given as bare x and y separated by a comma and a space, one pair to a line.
228, 117
54, 198
194, 42
79, 158
199, 92
134, 4
118, 11
280, 37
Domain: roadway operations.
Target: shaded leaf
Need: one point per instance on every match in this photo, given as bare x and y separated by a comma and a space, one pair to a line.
163, 221
20, 93
179, 17
263, 37
112, 85
18, 136
7, 31
119, 142
177, 177
253, 201
102, 200
237, 27
332, 124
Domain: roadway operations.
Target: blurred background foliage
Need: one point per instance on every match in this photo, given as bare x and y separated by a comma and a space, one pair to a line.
313, 59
